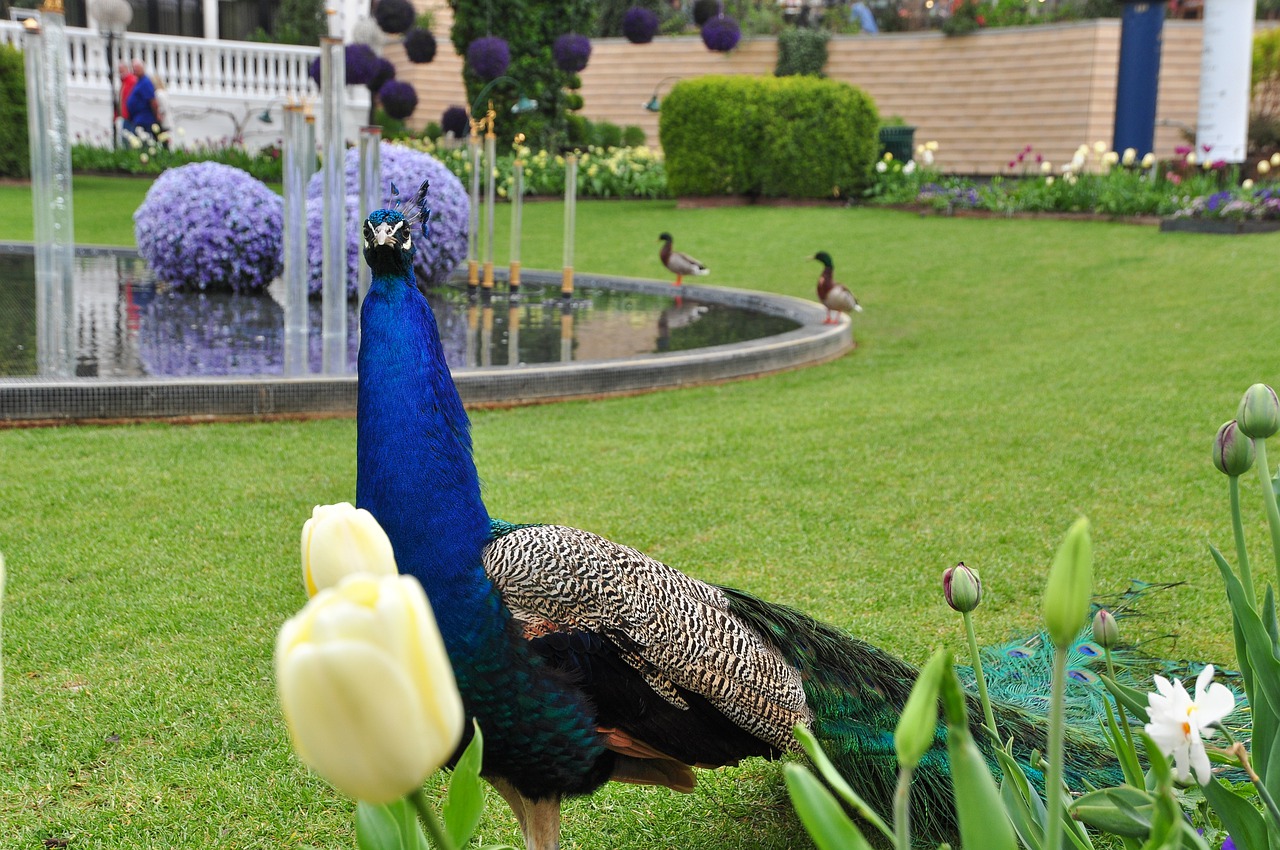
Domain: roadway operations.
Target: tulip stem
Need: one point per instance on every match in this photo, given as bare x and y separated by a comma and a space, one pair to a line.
1269, 498
439, 838
1124, 720
902, 810
1238, 750
1242, 554
975, 658
1053, 783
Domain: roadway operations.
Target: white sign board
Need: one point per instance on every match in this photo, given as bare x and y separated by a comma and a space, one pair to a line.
1222, 127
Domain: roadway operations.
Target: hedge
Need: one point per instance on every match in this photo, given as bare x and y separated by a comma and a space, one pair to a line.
15, 156
795, 137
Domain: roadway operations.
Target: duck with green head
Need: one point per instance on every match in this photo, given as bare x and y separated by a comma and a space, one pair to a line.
836, 297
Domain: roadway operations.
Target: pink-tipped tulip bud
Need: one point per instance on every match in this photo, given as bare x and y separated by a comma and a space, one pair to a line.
1259, 413
962, 587
1233, 452
1105, 631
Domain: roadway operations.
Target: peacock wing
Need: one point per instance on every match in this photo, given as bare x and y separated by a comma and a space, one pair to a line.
677, 633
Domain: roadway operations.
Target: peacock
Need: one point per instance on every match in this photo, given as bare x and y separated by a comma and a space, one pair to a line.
584, 660
836, 297
678, 262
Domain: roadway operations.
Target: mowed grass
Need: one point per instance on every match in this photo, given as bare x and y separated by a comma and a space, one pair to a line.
1011, 375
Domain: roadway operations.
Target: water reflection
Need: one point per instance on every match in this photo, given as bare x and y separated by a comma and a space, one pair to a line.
128, 326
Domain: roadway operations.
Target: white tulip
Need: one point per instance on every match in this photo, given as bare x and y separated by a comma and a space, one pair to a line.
339, 540
366, 687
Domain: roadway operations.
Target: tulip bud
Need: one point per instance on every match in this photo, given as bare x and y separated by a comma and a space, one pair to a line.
962, 587
1263, 166
918, 724
1066, 597
1148, 160
339, 540
1259, 413
1233, 452
1105, 631
366, 687
1129, 157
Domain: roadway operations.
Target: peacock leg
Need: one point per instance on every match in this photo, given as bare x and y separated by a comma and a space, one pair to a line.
543, 829
515, 800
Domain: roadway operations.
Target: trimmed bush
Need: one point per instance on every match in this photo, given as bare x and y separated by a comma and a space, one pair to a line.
721, 33
488, 57
796, 137
802, 50
399, 99
571, 52
639, 25
394, 16
209, 226
454, 120
15, 156
436, 256
632, 136
420, 45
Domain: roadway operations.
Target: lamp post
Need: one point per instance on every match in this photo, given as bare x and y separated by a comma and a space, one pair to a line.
112, 17
654, 104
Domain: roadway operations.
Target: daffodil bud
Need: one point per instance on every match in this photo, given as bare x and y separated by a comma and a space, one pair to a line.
339, 540
366, 687
918, 724
1259, 413
1105, 631
962, 587
1233, 452
1066, 597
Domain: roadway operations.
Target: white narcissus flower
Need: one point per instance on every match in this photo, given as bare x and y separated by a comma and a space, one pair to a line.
1048, 181
927, 156
1099, 147
366, 687
910, 167
882, 167
340, 540
1046, 167
1178, 723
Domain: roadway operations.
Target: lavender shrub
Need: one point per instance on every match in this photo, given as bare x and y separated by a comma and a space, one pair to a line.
446, 244
208, 226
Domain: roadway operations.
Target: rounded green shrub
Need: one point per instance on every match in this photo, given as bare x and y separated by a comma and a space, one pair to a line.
797, 137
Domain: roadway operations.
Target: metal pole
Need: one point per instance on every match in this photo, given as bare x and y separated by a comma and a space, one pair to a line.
299, 158
333, 292
370, 195
517, 213
473, 222
570, 213
490, 142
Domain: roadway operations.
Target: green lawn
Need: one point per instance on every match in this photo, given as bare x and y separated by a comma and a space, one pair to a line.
1011, 375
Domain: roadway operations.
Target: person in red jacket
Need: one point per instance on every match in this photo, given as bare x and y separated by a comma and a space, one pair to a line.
127, 81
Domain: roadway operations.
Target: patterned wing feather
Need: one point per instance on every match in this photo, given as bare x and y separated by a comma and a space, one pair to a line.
676, 632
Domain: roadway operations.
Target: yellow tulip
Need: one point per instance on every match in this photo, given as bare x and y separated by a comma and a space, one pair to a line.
339, 540
366, 687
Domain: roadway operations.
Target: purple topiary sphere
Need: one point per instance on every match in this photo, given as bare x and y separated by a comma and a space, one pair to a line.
420, 45
721, 33
210, 226
435, 257
398, 99
455, 120
571, 52
489, 57
639, 25
385, 72
361, 65
394, 16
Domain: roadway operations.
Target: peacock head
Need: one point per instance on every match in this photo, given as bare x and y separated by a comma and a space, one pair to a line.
387, 235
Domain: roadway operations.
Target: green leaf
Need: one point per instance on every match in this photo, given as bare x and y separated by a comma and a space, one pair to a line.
979, 810
378, 827
1123, 749
1269, 616
1123, 810
1239, 816
820, 812
1131, 698
1262, 659
828, 772
1022, 802
465, 802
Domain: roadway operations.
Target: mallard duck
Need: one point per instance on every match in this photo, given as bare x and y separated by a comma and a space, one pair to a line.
836, 297
679, 263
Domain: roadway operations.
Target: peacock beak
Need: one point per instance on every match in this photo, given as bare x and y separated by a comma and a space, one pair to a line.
385, 234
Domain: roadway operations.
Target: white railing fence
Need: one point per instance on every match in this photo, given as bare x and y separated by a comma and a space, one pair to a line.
217, 89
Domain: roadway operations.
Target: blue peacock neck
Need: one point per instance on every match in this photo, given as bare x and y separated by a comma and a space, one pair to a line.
414, 469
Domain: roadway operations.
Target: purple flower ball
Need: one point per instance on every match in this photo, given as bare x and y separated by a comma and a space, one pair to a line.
385, 72
210, 226
398, 99
489, 57
721, 33
361, 64
420, 46
436, 256
454, 120
394, 16
571, 52
639, 25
